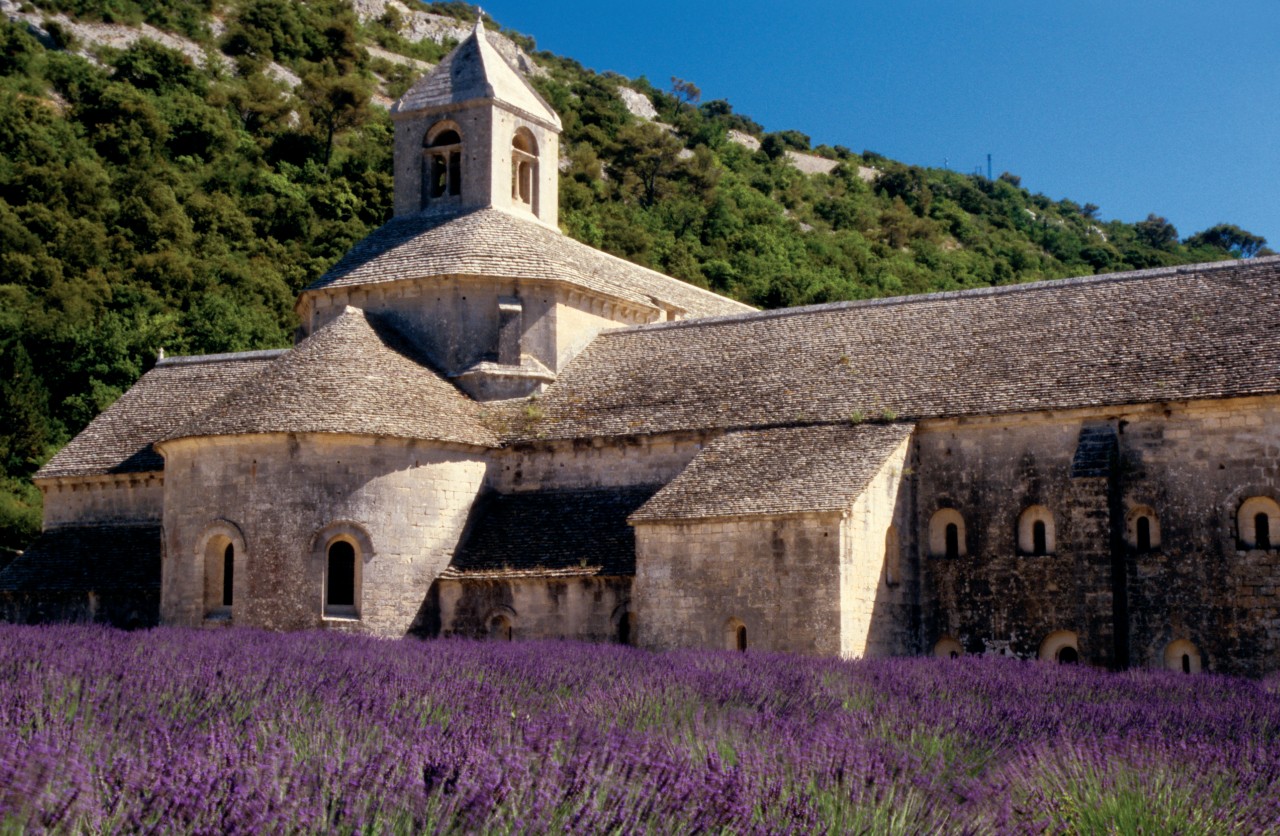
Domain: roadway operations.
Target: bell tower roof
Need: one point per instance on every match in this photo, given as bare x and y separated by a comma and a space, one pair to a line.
476, 72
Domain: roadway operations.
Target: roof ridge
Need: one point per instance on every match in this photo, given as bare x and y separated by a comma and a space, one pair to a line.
946, 295
197, 359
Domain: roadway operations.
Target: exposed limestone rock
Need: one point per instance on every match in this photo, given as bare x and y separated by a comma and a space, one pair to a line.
422, 26
811, 163
282, 74
746, 140
114, 35
397, 58
638, 103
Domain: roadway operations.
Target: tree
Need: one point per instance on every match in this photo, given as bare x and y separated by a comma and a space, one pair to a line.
685, 92
334, 103
1156, 232
647, 157
1230, 239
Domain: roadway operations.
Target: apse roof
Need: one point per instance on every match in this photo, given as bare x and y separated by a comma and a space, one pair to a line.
356, 375
119, 440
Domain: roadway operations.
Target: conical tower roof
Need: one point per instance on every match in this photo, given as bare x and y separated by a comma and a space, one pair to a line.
475, 71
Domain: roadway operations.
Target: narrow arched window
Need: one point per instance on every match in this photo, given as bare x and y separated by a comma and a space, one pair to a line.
500, 628
524, 168
1257, 517
1182, 655
1039, 541
340, 576
228, 573
1144, 534
441, 166
735, 634
1035, 531
946, 533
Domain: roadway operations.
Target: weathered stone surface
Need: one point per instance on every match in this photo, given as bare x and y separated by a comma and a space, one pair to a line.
587, 609
404, 503
779, 577
108, 574
637, 103
1189, 465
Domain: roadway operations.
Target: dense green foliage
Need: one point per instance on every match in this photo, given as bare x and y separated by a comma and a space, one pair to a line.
148, 201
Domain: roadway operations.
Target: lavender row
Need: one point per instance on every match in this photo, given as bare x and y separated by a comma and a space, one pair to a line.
237, 731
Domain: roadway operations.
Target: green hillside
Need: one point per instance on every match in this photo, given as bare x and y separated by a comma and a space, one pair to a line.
178, 195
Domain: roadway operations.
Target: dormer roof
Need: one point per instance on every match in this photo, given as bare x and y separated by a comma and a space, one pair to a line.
476, 71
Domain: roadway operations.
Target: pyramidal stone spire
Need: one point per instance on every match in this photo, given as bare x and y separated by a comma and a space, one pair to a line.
475, 133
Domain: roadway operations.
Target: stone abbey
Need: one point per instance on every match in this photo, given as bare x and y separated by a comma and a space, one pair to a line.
489, 429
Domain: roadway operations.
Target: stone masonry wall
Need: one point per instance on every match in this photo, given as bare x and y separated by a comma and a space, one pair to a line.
405, 502
583, 609
1189, 466
102, 499
593, 463
455, 318
777, 576
877, 585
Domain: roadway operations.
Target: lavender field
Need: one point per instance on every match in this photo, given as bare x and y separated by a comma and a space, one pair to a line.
235, 731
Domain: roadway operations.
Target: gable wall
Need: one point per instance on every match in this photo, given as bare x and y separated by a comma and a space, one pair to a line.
777, 576
877, 587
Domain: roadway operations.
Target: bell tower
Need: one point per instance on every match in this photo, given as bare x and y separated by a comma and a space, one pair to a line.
473, 133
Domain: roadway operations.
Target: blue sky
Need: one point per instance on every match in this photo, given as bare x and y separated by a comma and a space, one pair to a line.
1169, 107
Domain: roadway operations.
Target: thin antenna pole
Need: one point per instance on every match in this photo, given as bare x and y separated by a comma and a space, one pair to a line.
988, 166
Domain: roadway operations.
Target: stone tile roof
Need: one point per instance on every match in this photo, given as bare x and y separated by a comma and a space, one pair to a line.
1203, 331
357, 374
777, 471
88, 558
551, 533
475, 70
490, 242
177, 389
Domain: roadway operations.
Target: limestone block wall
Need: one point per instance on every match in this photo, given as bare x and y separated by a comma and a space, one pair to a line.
779, 577
583, 609
1194, 465
486, 165
473, 125
1187, 467
102, 499
593, 463
991, 598
877, 584
279, 499
455, 318
546, 188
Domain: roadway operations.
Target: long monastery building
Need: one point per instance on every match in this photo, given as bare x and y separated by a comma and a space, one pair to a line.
489, 429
